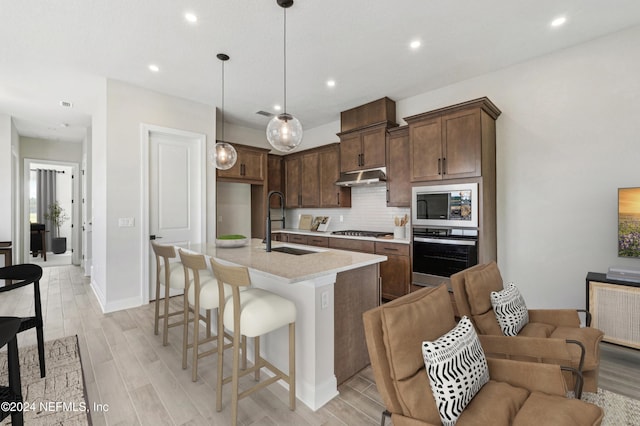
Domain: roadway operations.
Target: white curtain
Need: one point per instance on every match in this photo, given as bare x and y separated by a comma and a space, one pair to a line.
46, 194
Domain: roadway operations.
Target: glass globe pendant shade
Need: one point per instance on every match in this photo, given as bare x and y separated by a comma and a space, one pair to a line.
223, 156
284, 132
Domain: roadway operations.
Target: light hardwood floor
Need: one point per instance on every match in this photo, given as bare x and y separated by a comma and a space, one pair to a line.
142, 382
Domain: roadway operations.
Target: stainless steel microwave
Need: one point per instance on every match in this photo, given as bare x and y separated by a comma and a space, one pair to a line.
454, 205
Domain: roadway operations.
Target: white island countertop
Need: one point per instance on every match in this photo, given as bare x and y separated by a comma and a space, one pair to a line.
286, 267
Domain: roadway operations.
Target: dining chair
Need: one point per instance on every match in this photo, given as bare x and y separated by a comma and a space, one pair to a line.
22, 275
9, 328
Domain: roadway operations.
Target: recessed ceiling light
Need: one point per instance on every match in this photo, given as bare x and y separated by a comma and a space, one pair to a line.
558, 21
415, 44
331, 83
154, 68
191, 17
277, 107
66, 104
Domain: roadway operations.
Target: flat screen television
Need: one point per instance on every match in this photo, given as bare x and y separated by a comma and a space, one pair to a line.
629, 222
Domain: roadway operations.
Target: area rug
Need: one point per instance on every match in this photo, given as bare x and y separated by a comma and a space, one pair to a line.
59, 398
619, 410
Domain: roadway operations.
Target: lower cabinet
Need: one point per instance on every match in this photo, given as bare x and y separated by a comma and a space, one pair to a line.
318, 241
298, 239
395, 273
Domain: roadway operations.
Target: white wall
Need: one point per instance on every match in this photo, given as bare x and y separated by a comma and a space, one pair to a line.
233, 208
99, 194
119, 157
46, 149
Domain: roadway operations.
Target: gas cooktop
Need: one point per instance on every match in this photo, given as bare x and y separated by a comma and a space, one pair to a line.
355, 233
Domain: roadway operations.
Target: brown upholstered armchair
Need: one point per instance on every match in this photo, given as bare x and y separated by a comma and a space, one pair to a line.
546, 327
518, 393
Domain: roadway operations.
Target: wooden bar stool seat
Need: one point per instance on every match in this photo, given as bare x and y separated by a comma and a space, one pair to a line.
168, 275
202, 294
251, 313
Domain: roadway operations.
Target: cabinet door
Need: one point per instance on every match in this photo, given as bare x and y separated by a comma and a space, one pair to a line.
318, 241
332, 195
350, 150
275, 181
309, 180
292, 175
462, 144
250, 165
253, 164
426, 150
298, 239
373, 148
398, 176
395, 275
234, 172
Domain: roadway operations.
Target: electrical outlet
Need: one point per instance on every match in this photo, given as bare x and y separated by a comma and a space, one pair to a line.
324, 300
341, 218
220, 218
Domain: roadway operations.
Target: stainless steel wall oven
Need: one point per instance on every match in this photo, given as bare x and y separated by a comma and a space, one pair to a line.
440, 252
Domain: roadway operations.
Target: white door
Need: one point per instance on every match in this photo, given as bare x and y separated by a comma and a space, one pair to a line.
175, 188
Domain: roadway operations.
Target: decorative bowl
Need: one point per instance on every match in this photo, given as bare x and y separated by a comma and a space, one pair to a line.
230, 241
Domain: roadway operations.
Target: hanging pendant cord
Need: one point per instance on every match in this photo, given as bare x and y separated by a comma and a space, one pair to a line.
285, 60
222, 101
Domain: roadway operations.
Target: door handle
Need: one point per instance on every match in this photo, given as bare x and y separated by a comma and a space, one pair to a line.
154, 237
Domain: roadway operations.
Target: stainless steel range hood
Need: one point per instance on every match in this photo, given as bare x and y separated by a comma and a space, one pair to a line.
365, 177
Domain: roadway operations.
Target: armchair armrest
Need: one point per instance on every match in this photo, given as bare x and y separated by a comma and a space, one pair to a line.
533, 376
532, 349
557, 317
587, 314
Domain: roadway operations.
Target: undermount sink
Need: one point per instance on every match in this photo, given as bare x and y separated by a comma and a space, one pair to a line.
292, 250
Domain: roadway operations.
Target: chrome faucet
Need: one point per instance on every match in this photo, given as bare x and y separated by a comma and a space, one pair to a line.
268, 237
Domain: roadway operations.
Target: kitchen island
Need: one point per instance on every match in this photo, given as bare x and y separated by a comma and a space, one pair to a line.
331, 289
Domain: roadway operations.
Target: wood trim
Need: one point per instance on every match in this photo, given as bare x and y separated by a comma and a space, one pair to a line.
483, 103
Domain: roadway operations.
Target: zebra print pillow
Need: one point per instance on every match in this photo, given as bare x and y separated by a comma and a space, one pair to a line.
457, 369
510, 309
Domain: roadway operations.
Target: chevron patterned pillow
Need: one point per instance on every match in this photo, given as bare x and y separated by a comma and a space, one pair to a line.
510, 309
457, 369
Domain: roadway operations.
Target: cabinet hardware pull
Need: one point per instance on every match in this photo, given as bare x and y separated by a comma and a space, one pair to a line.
439, 166
444, 166
338, 194
387, 195
390, 249
362, 159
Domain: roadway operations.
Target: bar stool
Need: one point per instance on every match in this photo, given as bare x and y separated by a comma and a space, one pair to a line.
9, 327
201, 293
169, 275
251, 313
23, 275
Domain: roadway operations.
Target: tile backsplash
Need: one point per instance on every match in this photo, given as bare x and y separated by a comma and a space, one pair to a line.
368, 211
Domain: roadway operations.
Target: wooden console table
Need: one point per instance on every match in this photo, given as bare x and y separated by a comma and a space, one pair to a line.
615, 309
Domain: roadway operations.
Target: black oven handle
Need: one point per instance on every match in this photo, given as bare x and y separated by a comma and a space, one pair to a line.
444, 241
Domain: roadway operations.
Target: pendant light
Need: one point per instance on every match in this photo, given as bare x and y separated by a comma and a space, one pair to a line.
284, 131
223, 156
